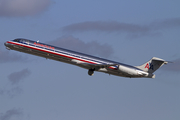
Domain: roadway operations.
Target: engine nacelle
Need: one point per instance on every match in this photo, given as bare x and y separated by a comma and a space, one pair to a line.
128, 71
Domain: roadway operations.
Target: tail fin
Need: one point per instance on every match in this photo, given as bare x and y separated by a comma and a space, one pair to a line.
152, 65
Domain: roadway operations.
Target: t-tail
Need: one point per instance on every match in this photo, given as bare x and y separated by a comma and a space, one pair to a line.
152, 65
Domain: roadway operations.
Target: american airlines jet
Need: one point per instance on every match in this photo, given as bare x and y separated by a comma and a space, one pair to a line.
86, 61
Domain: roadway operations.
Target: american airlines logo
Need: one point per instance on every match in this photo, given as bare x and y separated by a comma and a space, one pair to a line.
149, 66
45, 46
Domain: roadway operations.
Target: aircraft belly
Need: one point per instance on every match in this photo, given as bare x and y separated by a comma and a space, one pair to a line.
66, 60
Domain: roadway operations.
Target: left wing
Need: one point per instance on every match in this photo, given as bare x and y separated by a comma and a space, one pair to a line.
98, 65
93, 66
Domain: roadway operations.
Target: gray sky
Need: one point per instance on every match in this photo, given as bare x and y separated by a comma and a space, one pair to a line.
131, 32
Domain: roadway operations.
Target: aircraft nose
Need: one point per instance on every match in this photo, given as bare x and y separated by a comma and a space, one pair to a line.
6, 44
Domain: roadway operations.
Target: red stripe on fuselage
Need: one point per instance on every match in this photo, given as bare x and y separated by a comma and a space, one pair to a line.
47, 51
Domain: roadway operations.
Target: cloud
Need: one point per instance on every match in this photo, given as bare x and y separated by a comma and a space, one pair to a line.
175, 66
20, 8
11, 93
5, 56
10, 114
165, 24
104, 27
16, 77
93, 48
132, 30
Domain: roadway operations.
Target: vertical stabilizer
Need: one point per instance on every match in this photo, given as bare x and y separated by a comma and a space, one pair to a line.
152, 65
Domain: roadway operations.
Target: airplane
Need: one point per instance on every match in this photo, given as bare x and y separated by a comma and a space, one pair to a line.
89, 62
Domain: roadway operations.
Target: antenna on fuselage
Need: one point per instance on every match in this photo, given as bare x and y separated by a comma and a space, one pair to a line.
37, 41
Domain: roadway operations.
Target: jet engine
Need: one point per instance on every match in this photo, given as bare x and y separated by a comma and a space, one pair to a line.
128, 71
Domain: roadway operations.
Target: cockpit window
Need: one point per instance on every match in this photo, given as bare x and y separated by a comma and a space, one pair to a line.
17, 40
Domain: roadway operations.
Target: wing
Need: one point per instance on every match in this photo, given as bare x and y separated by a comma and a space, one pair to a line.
97, 66
93, 66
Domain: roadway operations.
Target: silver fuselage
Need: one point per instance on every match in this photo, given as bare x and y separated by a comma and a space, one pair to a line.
75, 58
